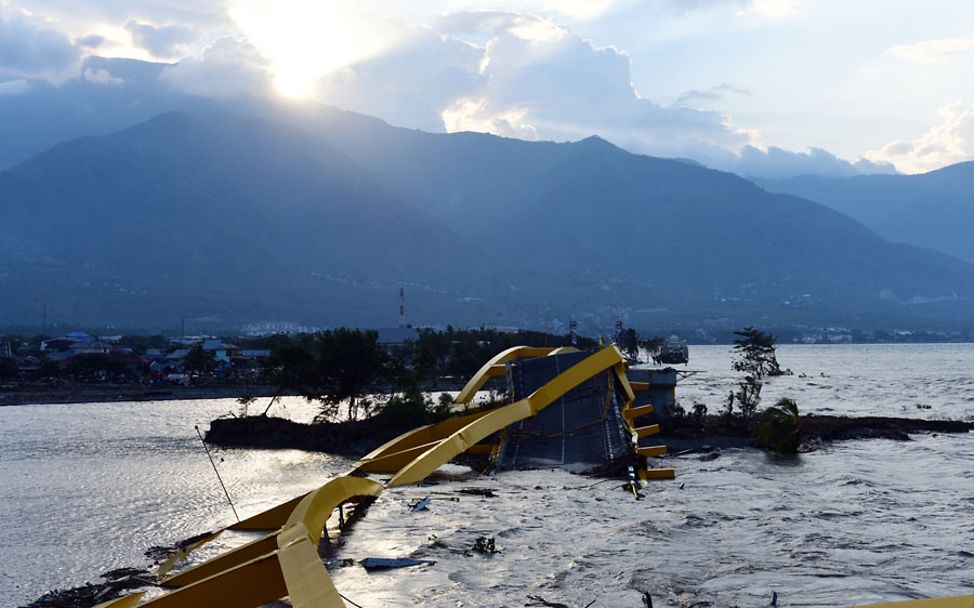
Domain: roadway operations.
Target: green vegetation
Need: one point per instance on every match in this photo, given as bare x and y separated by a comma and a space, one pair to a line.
343, 365
780, 428
754, 353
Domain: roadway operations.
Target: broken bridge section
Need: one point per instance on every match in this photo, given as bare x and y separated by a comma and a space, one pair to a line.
581, 429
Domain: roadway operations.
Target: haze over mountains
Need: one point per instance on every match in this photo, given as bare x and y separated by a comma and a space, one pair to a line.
934, 210
317, 216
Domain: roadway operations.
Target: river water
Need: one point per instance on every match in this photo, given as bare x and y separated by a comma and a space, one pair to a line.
85, 488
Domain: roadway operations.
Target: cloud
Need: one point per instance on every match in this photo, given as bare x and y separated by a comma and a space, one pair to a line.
411, 83
524, 76
931, 52
229, 67
14, 87
163, 41
91, 41
771, 8
777, 163
33, 47
714, 93
950, 142
743, 8
466, 114
564, 87
102, 77
537, 77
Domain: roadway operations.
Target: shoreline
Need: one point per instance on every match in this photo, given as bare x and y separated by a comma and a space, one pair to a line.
126, 392
359, 437
108, 393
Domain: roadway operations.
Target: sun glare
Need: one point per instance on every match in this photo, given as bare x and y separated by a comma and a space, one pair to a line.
307, 40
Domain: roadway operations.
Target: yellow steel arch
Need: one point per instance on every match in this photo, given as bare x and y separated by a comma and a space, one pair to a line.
563, 350
311, 512
495, 420
392, 456
285, 562
491, 369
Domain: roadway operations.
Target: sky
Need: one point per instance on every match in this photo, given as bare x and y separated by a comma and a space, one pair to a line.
769, 88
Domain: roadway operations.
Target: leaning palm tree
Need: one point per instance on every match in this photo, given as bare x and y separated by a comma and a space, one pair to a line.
780, 428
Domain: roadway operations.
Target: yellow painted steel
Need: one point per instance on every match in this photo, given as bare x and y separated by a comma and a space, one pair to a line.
307, 582
311, 512
123, 602
957, 601
183, 552
241, 555
636, 412
623, 382
474, 432
647, 431
422, 436
271, 519
468, 392
640, 386
562, 350
648, 474
316, 507
652, 451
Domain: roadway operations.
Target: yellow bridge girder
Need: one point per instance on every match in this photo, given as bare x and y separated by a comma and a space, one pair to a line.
285, 561
493, 368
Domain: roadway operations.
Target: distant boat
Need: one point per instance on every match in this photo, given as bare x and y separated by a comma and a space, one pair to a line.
673, 351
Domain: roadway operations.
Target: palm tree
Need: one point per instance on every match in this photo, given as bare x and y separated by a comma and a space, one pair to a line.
780, 428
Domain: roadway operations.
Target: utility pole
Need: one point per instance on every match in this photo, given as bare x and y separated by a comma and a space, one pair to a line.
402, 307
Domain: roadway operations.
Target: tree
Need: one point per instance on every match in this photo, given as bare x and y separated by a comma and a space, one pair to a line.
197, 360
348, 361
754, 353
629, 343
747, 397
780, 428
653, 346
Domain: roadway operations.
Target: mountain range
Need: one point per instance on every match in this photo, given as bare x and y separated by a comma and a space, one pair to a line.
317, 216
934, 210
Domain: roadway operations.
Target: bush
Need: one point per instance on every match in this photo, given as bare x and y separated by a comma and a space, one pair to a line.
410, 409
780, 428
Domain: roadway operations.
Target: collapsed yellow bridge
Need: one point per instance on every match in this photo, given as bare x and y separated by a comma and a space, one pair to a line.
285, 562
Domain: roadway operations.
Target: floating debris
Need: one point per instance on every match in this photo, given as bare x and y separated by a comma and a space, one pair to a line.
485, 546
388, 563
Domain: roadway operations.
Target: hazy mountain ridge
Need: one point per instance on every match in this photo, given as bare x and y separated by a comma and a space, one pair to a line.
934, 210
609, 211
318, 217
240, 213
